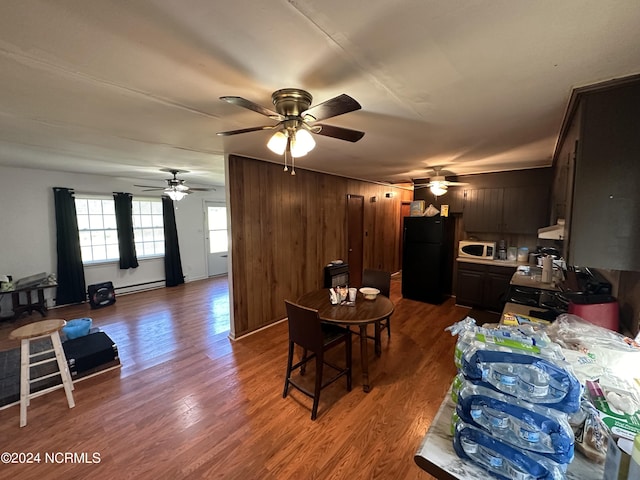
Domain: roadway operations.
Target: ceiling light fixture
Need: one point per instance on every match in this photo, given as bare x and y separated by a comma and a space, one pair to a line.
175, 193
438, 188
294, 141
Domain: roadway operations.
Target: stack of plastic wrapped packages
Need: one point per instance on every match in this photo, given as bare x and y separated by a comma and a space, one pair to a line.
514, 395
607, 363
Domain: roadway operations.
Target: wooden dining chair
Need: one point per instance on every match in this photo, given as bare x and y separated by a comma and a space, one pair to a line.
307, 331
382, 281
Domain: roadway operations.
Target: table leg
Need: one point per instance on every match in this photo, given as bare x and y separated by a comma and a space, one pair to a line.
364, 358
42, 305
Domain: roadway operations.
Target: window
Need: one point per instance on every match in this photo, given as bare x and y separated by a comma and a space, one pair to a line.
97, 229
148, 229
217, 219
99, 235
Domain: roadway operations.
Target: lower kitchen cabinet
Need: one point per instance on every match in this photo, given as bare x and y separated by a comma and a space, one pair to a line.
482, 286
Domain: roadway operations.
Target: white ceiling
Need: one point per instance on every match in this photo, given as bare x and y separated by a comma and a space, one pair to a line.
126, 88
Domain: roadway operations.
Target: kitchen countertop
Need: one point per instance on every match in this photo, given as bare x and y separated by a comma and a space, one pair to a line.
533, 280
491, 261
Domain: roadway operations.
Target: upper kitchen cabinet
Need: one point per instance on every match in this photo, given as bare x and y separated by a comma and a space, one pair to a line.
483, 209
517, 209
603, 132
563, 173
454, 198
525, 209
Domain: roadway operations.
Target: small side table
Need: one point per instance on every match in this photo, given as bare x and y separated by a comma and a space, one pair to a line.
34, 331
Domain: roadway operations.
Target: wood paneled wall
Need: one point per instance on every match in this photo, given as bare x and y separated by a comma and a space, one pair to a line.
285, 229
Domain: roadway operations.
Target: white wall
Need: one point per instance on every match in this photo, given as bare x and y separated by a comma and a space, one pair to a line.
28, 235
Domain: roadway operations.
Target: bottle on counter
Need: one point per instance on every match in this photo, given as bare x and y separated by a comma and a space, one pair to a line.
547, 269
523, 254
502, 250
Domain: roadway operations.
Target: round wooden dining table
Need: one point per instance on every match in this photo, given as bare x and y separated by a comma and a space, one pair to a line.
361, 314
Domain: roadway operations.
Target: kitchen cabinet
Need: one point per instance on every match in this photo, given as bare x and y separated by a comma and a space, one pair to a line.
455, 199
482, 285
563, 174
603, 197
517, 209
483, 209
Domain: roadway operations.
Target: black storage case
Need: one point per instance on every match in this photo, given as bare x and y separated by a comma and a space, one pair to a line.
89, 354
336, 275
101, 294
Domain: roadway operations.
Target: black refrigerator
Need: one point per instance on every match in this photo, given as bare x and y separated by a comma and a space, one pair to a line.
427, 258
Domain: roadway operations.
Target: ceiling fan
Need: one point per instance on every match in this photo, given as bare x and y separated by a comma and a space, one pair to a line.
438, 183
296, 121
175, 189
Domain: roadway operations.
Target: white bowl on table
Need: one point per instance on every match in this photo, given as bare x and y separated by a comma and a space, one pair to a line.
369, 293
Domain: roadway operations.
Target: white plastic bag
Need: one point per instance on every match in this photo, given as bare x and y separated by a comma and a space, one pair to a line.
431, 211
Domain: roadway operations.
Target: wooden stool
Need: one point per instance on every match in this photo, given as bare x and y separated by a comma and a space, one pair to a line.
34, 331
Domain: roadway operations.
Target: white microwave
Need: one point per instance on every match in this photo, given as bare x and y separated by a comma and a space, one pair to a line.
470, 248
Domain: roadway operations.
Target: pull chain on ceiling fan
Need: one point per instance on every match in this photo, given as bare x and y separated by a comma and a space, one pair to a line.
295, 117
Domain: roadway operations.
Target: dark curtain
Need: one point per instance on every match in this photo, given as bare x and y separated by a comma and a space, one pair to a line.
71, 284
172, 262
124, 223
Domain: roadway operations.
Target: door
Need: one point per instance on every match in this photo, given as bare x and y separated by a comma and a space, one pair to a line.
217, 240
355, 238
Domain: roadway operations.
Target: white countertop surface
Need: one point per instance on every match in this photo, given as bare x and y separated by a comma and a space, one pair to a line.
533, 280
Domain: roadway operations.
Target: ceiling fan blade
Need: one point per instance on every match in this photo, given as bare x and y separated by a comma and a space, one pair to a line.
456, 184
339, 132
150, 187
245, 130
331, 108
243, 102
196, 189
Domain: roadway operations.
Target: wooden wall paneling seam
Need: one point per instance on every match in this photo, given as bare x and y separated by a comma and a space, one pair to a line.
276, 207
266, 223
315, 233
256, 305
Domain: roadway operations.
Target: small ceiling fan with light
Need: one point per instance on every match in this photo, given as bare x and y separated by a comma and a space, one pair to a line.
438, 183
296, 121
175, 189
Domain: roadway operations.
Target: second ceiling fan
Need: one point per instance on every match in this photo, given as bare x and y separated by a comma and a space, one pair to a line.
175, 189
296, 121
438, 183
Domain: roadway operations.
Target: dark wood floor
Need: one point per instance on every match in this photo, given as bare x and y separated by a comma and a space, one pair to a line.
190, 403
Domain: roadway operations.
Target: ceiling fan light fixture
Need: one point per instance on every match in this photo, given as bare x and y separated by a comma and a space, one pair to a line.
278, 143
304, 141
438, 188
175, 194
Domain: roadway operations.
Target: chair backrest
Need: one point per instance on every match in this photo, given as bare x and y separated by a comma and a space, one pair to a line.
304, 327
377, 279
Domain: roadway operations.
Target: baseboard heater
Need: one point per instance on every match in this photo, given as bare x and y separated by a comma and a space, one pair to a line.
139, 287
